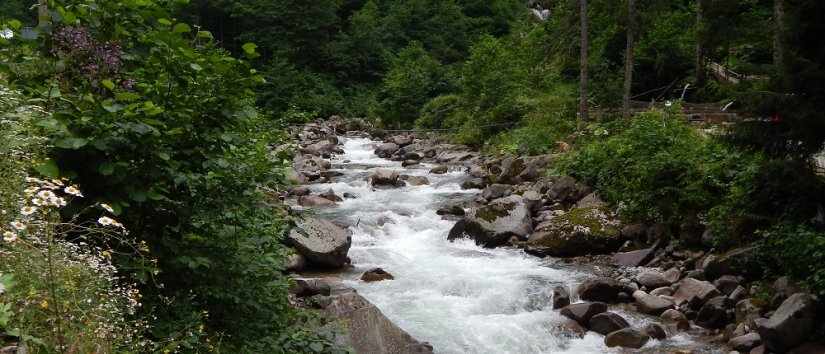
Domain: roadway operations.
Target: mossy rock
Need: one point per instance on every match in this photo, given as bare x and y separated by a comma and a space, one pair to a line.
579, 232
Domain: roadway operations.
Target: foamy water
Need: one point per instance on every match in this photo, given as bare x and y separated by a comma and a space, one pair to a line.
459, 297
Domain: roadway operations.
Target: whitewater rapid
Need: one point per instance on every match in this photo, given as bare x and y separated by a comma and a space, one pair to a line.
459, 297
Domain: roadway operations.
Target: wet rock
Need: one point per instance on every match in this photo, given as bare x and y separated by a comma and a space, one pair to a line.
384, 177
740, 261
694, 292
511, 167
561, 297
473, 183
679, 319
672, 275
652, 279
600, 289
295, 262
492, 225
320, 148
634, 258
402, 140
331, 196
314, 201
651, 304
578, 232
783, 287
386, 150
376, 274
655, 331
534, 166
747, 311
663, 291
607, 322
439, 170
408, 163
321, 242
582, 312
568, 328
791, 324
451, 210
412, 156
348, 195
727, 283
299, 191
417, 180
745, 342
714, 313
626, 338
495, 191
738, 294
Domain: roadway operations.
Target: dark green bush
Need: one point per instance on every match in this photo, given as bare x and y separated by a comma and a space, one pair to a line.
795, 250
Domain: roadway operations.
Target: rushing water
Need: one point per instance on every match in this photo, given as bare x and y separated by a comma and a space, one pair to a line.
459, 297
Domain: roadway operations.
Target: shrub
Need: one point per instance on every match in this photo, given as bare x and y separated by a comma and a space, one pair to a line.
795, 250
549, 119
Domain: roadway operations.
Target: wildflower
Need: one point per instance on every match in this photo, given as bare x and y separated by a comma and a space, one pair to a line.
46, 195
73, 191
38, 202
106, 221
30, 190
668, 103
57, 182
19, 226
28, 210
9, 236
6, 33
107, 207
33, 180
57, 201
44, 304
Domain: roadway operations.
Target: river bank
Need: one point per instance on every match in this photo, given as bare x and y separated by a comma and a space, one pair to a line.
459, 232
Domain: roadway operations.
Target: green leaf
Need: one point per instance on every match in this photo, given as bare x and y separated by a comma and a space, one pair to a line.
195, 67
181, 28
48, 168
108, 84
15, 24
164, 156
71, 143
127, 96
164, 22
111, 106
106, 168
205, 34
249, 48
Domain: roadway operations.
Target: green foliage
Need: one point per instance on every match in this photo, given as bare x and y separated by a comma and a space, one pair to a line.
795, 250
549, 119
656, 167
413, 79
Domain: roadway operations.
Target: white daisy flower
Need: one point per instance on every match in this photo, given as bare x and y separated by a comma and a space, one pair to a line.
73, 191
668, 104
38, 202
107, 207
46, 195
30, 190
28, 210
9, 236
6, 33
19, 226
105, 221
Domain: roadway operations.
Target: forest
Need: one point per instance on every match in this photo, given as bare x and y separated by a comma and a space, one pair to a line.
148, 147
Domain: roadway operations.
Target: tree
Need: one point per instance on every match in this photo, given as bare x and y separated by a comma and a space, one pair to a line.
583, 61
701, 7
628, 66
779, 38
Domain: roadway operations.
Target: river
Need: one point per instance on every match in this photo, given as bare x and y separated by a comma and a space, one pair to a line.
459, 297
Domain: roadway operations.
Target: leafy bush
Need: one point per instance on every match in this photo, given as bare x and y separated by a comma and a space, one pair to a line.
655, 166
795, 250
549, 120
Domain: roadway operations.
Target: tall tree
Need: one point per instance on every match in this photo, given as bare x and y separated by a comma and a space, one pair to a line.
779, 38
583, 61
701, 7
628, 61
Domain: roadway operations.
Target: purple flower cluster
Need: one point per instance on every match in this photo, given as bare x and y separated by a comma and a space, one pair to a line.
95, 60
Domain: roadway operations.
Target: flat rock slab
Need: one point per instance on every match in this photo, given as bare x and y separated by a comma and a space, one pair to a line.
321, 242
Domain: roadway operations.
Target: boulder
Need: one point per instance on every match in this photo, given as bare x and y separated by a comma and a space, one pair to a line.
439, 170
534, 165
376, 274
741, 261
634, 258
607, 322
473, 183
511, 168
368, 330
321, 242
417, 180
714, 313
451, 210
791, 324
494, 224
561, 297
675, 317
591, 200
306, 287
295, 262
320, 148
495, 191
331, 196
652, 279
384, 177
600, 289
727, 283
745, 343
663, 291
626, 338
568, 328
567, 191
386, 150
578, 232
408, 163
694, 292
809, 348
672, 275
747, 311
651, 304
314, 201
402, 140
655, 331
299, 191
582, 312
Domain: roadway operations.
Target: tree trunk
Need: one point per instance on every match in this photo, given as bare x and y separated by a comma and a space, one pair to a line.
43, 17
583, 62
628, 60
779, 39
700, 43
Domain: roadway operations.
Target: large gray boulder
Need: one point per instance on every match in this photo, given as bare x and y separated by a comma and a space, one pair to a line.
494, 224
576, 233
601, 289
495, 191
626, 338
607, 322
386, 150
652, 279
321, 242
714, 313
791, 324
652, 304
634, 258
314, 201
741, 261
384, 177
745, 343
567, 191
694, 292
582, 312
